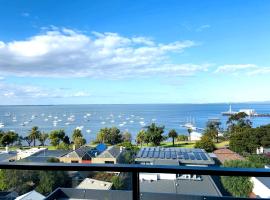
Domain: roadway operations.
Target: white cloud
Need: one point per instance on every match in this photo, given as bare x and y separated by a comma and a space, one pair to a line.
203, 27
260, 71
68, 53
235, 68
80, 94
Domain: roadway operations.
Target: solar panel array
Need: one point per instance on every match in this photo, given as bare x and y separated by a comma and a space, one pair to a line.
172, 153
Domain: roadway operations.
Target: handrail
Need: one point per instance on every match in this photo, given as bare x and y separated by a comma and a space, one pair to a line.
135, 169
218, 171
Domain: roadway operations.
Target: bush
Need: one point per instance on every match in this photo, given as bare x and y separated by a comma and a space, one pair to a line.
238, 186
205, 143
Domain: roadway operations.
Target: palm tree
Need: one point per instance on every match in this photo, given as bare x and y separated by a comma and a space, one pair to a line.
189, 133
34, 134
42, 138
173, 134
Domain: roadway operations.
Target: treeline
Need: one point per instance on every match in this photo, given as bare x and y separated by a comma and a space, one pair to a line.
58, 138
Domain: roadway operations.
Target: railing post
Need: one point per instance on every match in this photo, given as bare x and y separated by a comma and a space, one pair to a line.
135, 186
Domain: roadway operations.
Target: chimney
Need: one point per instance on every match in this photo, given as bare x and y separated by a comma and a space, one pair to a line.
74, 147
121, 149
7, 149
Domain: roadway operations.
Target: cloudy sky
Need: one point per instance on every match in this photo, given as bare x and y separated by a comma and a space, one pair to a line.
152, 51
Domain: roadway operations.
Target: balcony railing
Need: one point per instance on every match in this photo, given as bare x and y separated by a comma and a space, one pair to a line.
135, 169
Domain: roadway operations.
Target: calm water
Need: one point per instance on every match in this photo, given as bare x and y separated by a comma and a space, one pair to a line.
90, 118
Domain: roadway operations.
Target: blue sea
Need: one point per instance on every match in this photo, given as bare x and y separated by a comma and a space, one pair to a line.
132, 118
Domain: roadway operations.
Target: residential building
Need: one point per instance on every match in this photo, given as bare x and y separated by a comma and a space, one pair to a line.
32, 195
111, 155
94, 184
176, 183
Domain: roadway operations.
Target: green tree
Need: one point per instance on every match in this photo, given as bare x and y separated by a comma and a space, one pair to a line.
76, 133
126, 137
118, 183
182, 138
173, 134
79, 141
213, 128
42, 138
238, 186
238, 122
110, 136
28, 139
34, 134
56, 136
154, 133
140, 139
205, 143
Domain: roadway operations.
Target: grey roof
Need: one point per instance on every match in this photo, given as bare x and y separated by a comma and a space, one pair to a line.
110, 152
45, 155
264, 180
81, 194
80, 152
71, 193
182, 155
206, 186
6, 157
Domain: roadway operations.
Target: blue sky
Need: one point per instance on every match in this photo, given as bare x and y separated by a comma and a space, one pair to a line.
65, 52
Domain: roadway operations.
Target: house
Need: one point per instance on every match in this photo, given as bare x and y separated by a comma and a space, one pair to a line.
111, 155
224, 154
183, 184
83, 154
94, 184
32, 195
261, 186
8, 195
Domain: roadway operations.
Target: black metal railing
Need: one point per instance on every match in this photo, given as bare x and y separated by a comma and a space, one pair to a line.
135, 169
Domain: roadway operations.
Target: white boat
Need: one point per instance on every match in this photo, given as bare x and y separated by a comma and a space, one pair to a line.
103, 122
88, 131
229, 112
2, 125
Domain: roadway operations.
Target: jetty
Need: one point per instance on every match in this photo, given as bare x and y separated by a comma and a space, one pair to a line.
249, 112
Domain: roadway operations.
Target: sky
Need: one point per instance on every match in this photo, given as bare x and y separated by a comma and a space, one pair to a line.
114, 52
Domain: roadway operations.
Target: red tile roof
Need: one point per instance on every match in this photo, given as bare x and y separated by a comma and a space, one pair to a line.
226, 154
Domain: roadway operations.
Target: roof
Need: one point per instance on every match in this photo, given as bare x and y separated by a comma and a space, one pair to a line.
80, 152
225, 154
264, 180
6, 157
89, 183
203, 187
101, 147
79, 194
181, 155
111, 152
32, 195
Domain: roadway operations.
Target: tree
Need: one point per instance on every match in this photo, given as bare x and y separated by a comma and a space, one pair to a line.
79, 141
7, 138
189, 133
56, 136
182, 138
126, 137
238, 186
76, 133
173, 134
66, 140
110, 136
154, 133
42, 138
34, 134
28, 139
238, 122
213, 128
140, 139
118, 183
205, 143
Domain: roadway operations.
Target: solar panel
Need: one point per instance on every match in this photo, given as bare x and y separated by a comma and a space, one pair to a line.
156, 154
151, 154
203, 156
186, 157
140, 153
162, 155
191, 156
173, 155
145, 153
197, 155
168, 154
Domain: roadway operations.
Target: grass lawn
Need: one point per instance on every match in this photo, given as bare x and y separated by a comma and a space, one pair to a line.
222, 144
